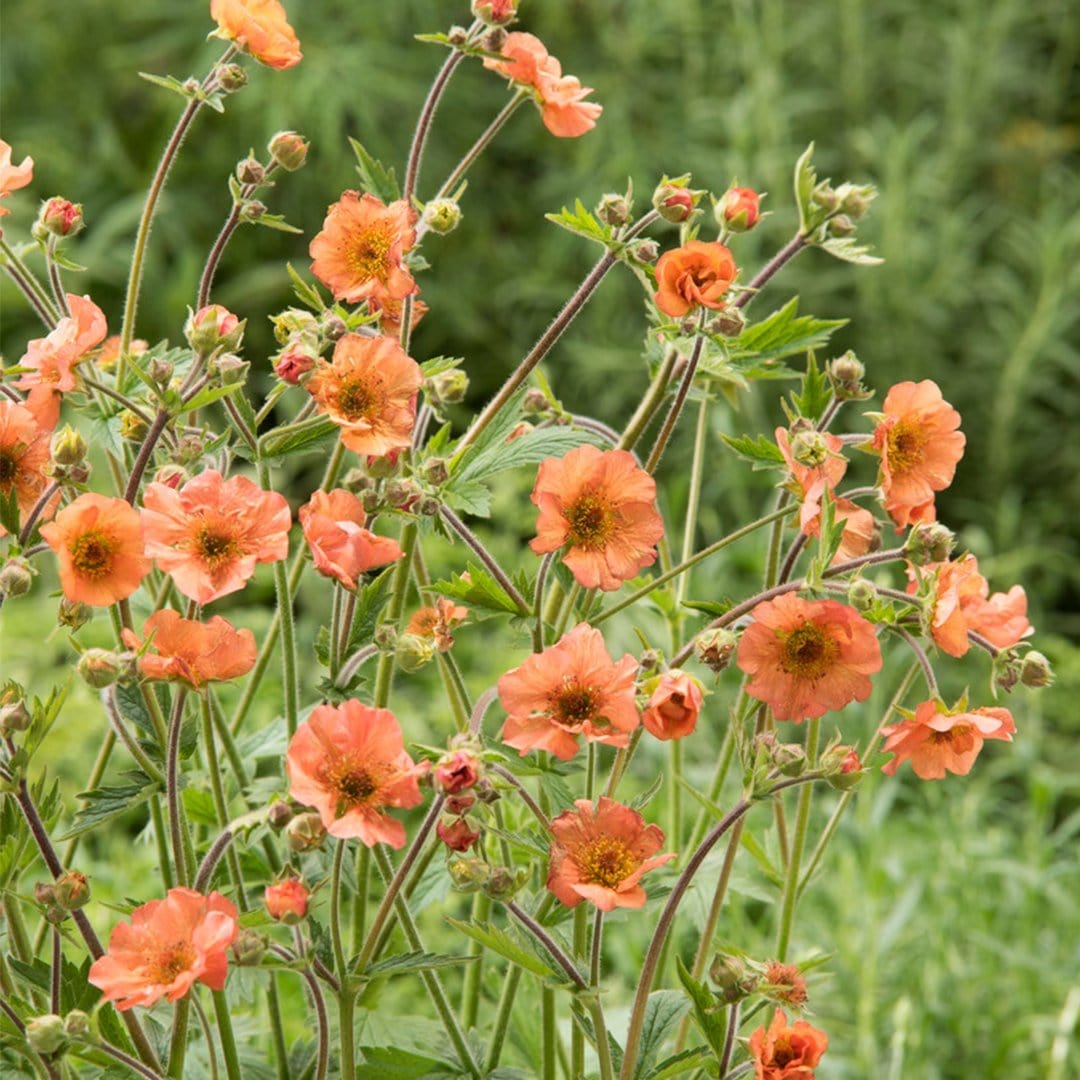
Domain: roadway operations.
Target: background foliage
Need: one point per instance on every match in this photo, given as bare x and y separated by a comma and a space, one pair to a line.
966, 114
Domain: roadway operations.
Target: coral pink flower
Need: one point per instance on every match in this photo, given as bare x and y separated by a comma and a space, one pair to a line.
13, 177
24, 454
528, 60
369, 391
572, 688
698, 274
563, 109
193, 652
602, 507
349, 763
341, 548
1001, 619
109, 353
807, 657
920, 446
286, 901
601, 854
209, 534
787, 1052
956, 586
99, 544
785, 983
457, 835
358, 253
260, 28
457, 772
673, 708
438, 622
168, 946
936, 740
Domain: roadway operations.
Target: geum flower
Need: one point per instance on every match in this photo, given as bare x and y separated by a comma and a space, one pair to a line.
168, 946
369, 390
811, 483
13, 177
260, 28
209, 534
601, 854
358, 252
438, 622
350, 763
341, 548
787, 1051
602, 507
192, 652
571, 689
24, 454
937, 740
807, 657
696, 275
99, 544
673, 707
920, 446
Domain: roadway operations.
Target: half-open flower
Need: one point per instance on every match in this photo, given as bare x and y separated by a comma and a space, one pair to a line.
600, 854
191, 652
786, 1051
673, 708
341, 548
13, 177
260, 28
696, 275
438, 622
168, 946
24, 454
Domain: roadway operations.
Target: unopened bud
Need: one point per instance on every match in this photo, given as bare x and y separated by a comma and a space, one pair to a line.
305, 832
613, 209
230, 369
71, 890
370, 501
847, 373
213, 327
231, 77
861, 594
932, 543
789, 758
428, 506
841, 225
448, 387
385, 637
289, 150
648, 660
646, 251
100, 667
1035, 670
16, 578
456, 834
503, 883
716, 647
252, 210
68, 446
730, 322
674, 202
468, 875
295, 361
172, 476
287, 901
161, 370
535, 403
250, 171
11, 693
132, 428
73, 613
77, 1025
457, 35
825, 197
855, 201
459, 804
385, 465
248, 948
738, 209
436, 471
842, 767
14, 718
43, 893
442, 216
494, 12
732, 978
809, 448
59, 217
278, 815
46, 1033
412, 652
294, 323
402, 493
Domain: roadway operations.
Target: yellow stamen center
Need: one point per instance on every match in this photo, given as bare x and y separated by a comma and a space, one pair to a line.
808, 652
606, 861
355, 784
356, 399
169, 962
91, 554
907, 441
590, 521
216, 547
368, 255
572, 704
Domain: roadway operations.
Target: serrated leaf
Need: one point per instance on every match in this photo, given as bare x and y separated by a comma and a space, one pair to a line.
848, 249
816, 392
390, 1063
414, 961
581, 222
75, 991
784, 333
709, 1018
287, 440
763, 453
105, 803
370, 601
805, 182
663, 1010
498, 941
479, 590
639, 802
374, 177
305, 293
438, 364
468, 497
273, 221
682, 1063
209, 395
529, 449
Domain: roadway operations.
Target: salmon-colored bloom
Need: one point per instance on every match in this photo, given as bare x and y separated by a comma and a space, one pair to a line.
528, 60
109, 352
358, 253
457, 834
99, 544
369, 390
341, 548
812, 482
1001, 618
260, 28
673, 708
563, 108
807, 657
349, 763
602, 507
192, 652
572, 688
457, 772
24, 454
209, 534
956, 586
698, 274
168, 946
920, 446
390, 314
785, 983
286, 901
601, 854
936, 740
438, 622
787, 1052
13, 177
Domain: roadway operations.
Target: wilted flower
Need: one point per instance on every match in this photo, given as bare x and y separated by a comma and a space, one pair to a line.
438, 622
787, 1052
193, 652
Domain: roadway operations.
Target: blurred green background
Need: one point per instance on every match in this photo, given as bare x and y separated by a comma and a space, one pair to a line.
951, 908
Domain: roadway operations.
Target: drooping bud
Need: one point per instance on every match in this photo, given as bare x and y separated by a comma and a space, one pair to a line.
535, 403
442, 216
16, 577
289, 150
1035, 670
287, 901
716, 647
73, 613
448, 387
229, 369
295, 360
14, 718
278, 815
457, 835
647, 661
457, 35
861, 594
457, 772
732, 978
214, 327
738, 209
44, 893
248, 948
305, 832
71, 890
931, 543
59, 217
46, 1033
494, 40
459, 804
789, 758
333, 326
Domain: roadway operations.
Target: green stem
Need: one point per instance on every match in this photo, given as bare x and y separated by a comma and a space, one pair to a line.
360, 896
36, 294
161, 843
470, 990
502, 1017
228, 1040
178, 1039
672, 418
172, 789
548, 1034
650, 403
384, 675
346, 994
581, 945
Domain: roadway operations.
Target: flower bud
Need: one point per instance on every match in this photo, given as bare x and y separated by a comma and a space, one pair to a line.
716, 647
841, 225
16, 578
809, 448
248, 948
44, 893
494, 12
442, 216
11, 693
535, 403
855, 201
46, 1033
673, 708
213, 327
861, 594
229, 369
1035, 670
457, 772
647, 661
71, 890
287, 901
278, 815
730, 322
674, 202
385, 637
732, 978
789, 758
842, 767
385, 465
73, 613
172, 476
448, 387
784, 984
59, 217
370, 501
825, 197
305, 832
402, 493
646, 251
436, 471
77, 1025
68, 446
494, 40
295, 361
503, 883
252, 210
161, 370
519, 429
356, 481
459, 804
930, 543
848, 370
295, 323
288, 150
14, 718
468, 875
613, 209
412, 652
231, 77
738, 209
457, 35
457, 835
250, 172
101, 667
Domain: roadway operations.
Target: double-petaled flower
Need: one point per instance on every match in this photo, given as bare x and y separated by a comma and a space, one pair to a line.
192, 652
260, 28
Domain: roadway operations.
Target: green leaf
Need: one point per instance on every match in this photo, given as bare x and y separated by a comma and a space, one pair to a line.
529, 449
9, 511
374, 177
708, 1015
713, 608
273, 221
680, 1064
763, 453
848, 249
105, 803
168, 82
639, 802
414, 961
305, 293
663, 1010
816, 392
805, 182
390, 1063
209, 395
479, 590
784, 333
438, 364
581, 222
292, 437
75, 991
468, 497
498, 941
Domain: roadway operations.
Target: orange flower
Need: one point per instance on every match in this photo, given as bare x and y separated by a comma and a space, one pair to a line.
99, 543
787, 1053
24, 453
739, 208
807, 657
209, 534
437, 622
919, 444
1001, 619
110, 350
358, 254
563, 109
673, 708
193, 652
333, 524
390, 314
349, 763
260, 28
601, 854
602, 507
698, 274
956, 586
528, 60
13, 177
168, 946
286, 901
573, 688
785, 983
936, 740
369, 391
